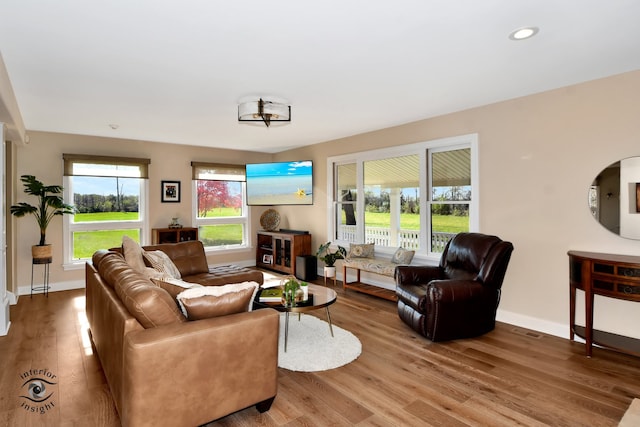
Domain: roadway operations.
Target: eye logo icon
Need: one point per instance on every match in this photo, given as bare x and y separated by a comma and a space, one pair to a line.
37, 390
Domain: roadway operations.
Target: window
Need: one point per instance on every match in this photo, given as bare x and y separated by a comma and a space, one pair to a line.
220, 212
416, 196
450, 189
109, 194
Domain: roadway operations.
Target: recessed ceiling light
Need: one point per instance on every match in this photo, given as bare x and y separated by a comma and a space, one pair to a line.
523, 33
114, 126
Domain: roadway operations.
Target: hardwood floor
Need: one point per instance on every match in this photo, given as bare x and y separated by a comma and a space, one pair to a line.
508, 377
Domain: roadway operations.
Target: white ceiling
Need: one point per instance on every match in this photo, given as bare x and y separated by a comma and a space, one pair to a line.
174, 71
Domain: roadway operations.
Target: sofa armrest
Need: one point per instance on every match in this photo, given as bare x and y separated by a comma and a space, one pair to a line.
195, 372
417, 274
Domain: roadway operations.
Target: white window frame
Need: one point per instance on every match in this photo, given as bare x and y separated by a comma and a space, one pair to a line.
69, 226
244, 219
422, 149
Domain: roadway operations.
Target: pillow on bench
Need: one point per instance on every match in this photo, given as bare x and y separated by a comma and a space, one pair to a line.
402, 256
361, 250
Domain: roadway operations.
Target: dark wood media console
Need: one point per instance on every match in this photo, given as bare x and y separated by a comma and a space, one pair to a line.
278, 250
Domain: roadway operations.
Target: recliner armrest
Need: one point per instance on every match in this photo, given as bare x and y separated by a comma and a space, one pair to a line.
417, 274
446, 291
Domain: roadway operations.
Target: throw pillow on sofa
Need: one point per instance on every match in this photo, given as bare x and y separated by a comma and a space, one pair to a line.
132, 252
162, 263
214, 301
134, 256
174, 286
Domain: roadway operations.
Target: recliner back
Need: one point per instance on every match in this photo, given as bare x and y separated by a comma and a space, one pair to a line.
476, 256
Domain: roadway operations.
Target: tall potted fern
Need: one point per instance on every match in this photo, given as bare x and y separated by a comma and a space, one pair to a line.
50, 204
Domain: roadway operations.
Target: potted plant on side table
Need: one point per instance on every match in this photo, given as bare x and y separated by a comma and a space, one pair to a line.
50, 204
329, 258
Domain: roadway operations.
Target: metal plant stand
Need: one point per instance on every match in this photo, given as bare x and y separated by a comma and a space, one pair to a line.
46, 262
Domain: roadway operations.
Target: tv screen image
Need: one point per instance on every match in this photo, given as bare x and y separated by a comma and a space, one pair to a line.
280, 183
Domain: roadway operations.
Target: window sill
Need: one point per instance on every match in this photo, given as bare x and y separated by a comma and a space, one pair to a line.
226, 249
76, 265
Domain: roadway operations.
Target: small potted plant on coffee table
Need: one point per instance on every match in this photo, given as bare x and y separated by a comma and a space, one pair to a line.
291, 291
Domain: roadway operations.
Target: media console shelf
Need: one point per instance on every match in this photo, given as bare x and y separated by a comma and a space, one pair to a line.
609, 275
278, 250
173, 235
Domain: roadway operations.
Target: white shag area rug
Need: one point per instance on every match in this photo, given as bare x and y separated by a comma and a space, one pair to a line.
311, 347
631, 418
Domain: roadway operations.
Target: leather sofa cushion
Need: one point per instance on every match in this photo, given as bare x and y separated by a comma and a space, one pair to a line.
224, 274
150, 305
188, 257
208, 302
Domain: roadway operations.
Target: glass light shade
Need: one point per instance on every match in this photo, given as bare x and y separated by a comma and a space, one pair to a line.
250, 111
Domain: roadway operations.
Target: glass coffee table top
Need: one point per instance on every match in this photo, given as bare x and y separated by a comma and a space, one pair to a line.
319, 297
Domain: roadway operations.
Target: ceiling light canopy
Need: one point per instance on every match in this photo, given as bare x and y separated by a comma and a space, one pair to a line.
523, 33
264, 111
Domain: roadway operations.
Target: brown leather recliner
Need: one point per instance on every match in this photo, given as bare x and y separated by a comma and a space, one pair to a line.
459, 297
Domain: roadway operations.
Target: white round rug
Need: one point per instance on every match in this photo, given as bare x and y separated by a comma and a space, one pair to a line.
311, 347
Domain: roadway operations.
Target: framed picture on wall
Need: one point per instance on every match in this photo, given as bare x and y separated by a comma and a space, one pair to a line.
170, 192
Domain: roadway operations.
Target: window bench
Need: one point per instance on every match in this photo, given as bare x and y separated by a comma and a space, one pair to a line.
370, 265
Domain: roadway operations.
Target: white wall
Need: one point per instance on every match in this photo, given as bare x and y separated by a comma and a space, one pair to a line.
538, 156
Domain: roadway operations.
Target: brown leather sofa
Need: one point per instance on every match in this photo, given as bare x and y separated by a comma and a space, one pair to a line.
191, 260
459, 297
165, 370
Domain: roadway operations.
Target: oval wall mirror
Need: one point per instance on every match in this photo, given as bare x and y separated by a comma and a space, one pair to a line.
614, 198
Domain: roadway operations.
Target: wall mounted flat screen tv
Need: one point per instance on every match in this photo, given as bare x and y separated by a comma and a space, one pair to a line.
280, 183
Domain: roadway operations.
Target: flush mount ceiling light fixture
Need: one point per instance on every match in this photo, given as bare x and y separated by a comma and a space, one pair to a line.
261, 110
523, 33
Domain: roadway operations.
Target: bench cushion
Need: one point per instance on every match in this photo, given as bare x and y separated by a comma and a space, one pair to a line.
372, 265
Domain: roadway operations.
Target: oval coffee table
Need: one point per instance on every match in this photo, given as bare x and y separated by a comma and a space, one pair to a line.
319, 297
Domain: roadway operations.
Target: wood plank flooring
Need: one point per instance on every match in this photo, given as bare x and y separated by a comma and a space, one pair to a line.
508, 377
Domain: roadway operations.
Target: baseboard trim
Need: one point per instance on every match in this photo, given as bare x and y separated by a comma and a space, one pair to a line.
54, 287
540, 325
523, 321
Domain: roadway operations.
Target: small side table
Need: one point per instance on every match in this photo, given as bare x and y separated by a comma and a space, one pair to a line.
46, 262
334, 276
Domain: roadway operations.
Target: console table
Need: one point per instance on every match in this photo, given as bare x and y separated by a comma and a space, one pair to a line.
609, 275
